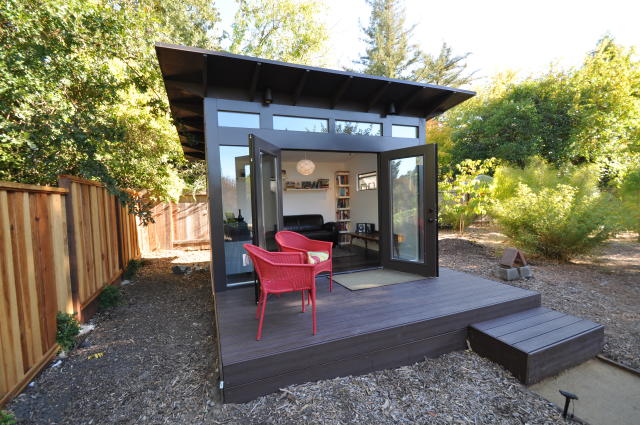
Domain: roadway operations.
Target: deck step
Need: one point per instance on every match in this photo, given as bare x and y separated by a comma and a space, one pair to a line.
537, 343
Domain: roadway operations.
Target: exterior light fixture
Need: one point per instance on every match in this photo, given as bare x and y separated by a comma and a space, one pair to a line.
391, 110
267, 98
305, 167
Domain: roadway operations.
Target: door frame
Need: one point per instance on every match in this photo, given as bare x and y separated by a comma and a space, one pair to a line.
429, 240
257, 146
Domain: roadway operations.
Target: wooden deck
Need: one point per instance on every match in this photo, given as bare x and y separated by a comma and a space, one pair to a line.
358, 331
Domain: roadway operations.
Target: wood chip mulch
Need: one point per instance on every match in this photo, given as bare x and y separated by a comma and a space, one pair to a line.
159, 360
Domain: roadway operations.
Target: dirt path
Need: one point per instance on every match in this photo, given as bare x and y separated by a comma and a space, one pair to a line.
158, 362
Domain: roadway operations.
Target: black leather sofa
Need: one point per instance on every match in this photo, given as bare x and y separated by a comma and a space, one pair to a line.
312, 226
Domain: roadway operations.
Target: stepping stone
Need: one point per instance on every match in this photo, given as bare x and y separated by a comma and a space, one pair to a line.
538, 343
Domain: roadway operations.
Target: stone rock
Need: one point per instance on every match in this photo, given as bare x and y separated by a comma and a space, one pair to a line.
525, 272
181, 269
508, 273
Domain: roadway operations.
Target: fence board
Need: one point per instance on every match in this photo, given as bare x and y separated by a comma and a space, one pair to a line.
181, 225
34, 284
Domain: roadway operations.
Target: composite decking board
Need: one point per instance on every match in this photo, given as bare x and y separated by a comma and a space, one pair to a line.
395, 310
511, 318
283, 314
546, 347
551, 338
540, 330
353, 324
398, 355
333, 350
509, 328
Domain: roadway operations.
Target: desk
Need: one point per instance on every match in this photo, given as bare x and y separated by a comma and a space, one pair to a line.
366, 237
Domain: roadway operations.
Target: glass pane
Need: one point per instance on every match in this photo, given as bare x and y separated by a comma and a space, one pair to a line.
268, 187
360, 128
236, 210
407, 226
238, 119
314, 125
404, 131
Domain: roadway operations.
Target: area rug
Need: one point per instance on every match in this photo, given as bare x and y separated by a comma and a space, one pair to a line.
374, 278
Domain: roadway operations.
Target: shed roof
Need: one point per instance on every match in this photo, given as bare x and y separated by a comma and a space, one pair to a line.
190, 74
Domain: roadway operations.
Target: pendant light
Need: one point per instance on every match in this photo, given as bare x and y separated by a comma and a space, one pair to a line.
305, 166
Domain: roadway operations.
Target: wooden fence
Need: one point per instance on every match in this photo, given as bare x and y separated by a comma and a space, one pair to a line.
59, 246
181, 225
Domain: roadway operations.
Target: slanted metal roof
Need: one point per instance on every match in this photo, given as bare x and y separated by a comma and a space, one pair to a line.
191, 74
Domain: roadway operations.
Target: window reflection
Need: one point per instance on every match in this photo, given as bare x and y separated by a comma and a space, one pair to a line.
238, 119
359, 128
408, 131
236, 210
313, 125
406, 208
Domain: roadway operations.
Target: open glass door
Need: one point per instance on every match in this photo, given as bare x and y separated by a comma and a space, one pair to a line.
266, 192
408, 209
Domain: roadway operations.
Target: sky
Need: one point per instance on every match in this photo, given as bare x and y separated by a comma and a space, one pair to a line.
524, 36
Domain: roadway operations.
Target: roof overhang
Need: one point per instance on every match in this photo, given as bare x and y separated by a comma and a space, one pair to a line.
190, 74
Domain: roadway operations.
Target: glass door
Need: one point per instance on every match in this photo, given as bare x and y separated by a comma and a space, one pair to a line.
266, 192
408, 209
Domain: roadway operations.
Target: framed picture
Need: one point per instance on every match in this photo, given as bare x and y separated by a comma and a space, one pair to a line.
361, 228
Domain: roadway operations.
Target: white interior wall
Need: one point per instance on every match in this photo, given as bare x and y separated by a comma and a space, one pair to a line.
312, 202
364, 204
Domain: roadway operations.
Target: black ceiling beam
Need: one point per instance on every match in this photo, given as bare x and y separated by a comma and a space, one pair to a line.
402, 106
300, 86
194, 156
191, 149
190, 106
341, 90
191, 88
191, 138
378, 94
254, 81
205, 74
432, 108
192, 123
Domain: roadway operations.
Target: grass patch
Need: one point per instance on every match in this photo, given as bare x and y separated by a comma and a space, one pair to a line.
132, 269
68, 329
110, 297
7, 418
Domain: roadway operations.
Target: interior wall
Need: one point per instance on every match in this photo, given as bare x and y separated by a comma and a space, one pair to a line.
364, 204
312, 202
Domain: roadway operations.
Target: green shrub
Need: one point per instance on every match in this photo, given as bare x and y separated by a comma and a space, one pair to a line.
110, 297
465, 194
68, 329
7, 418
132, 268
553, 213
630, 197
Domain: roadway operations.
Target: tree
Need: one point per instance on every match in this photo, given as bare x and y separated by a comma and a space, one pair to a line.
286, 30
585, 115
81, 93
390, 53
446, 69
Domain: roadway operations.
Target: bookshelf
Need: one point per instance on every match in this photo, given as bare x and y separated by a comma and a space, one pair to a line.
343, 206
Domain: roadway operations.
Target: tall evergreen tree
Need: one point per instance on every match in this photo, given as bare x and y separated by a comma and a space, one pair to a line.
390, 52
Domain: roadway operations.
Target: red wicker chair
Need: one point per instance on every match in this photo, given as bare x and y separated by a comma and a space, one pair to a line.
281, 272
295, 242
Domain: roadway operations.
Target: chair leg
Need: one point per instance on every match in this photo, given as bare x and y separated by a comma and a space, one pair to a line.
302, 300
264, 306
313, 308
259, 306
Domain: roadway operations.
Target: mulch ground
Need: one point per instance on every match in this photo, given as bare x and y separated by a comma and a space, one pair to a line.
159, 362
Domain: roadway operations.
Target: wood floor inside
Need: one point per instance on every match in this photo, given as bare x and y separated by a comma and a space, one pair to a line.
358, 331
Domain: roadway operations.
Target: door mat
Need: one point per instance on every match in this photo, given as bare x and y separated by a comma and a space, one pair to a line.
374, 278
